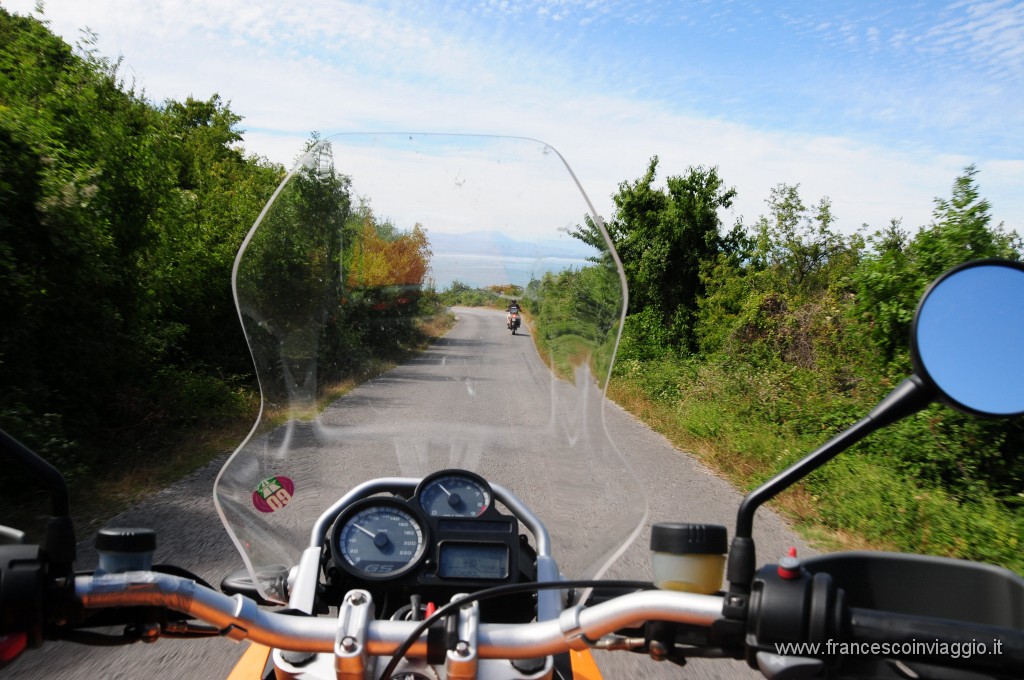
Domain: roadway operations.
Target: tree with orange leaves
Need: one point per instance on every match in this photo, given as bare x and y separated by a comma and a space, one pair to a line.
383, 257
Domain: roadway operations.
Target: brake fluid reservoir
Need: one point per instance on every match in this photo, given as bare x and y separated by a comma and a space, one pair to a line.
689, 557
124, 549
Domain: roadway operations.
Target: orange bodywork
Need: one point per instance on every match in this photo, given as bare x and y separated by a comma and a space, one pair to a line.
254, 660
583, 666
252, 663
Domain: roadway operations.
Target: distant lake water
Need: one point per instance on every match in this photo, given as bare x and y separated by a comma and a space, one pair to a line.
480, 271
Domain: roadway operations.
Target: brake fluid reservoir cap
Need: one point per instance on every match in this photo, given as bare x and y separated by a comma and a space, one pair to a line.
125, 549
689, 557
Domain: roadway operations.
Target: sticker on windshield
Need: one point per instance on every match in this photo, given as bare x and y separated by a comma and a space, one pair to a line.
273, 494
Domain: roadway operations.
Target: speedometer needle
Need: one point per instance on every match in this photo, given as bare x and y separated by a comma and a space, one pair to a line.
365, 531
441, 487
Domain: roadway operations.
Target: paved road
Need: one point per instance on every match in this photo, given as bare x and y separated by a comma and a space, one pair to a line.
511, 385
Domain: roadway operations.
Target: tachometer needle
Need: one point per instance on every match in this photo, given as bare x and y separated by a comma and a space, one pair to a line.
441, 487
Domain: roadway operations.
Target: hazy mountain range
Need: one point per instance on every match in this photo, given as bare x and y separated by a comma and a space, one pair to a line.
496, 244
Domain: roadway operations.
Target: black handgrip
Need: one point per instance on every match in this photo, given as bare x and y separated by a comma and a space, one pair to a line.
941, 642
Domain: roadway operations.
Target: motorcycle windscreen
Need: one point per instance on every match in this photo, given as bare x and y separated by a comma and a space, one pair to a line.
373, 292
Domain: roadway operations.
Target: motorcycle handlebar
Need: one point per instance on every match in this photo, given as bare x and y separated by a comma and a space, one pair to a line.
952, 644
240, 618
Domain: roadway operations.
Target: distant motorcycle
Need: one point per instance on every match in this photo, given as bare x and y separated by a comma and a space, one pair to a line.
514, 321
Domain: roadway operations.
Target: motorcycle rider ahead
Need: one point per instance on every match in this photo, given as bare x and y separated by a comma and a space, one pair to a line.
511, 310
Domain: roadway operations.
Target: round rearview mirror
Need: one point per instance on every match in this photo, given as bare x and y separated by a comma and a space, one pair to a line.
968, 337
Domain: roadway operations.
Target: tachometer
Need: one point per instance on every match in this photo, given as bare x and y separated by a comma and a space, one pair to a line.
454, 494
378, 538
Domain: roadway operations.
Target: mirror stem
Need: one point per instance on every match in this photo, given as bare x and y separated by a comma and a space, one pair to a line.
51, 478
60, 533
910, 396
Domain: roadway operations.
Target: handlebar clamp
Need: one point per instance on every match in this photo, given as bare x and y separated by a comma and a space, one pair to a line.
572, 629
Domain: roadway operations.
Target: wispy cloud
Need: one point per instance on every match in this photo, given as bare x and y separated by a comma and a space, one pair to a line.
989, 33
878, 106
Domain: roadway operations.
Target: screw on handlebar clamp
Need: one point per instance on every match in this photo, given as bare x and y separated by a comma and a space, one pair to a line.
354, 618
660, 640
461, 660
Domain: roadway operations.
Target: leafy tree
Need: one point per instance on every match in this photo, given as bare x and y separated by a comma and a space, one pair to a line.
289, 282
785, 301
73, 254
898, 268
461, 293
118, 225
577, 313
663, 235
389, 259
798, 246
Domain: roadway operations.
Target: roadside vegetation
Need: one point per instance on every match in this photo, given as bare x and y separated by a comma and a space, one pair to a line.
459, 294
123, 363
121, 356
754, 345
119, 221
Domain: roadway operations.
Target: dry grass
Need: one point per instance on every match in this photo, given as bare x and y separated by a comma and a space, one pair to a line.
436, 326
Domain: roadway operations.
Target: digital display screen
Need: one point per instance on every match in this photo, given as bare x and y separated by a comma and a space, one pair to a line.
475, 525
473, 561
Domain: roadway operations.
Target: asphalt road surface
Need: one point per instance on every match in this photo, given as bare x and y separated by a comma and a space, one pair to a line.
508, 379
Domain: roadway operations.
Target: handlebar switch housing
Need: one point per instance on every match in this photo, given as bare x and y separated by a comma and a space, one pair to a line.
786, 609
23, 571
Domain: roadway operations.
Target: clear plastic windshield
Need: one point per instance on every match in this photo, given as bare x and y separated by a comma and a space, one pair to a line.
375, 292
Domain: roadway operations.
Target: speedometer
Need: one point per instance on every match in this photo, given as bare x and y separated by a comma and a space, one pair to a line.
453, 493
378, 538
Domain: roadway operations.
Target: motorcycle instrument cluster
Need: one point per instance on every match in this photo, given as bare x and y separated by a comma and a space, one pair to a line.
447, 534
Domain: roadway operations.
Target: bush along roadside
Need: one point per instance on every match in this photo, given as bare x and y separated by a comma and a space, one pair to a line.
793, 333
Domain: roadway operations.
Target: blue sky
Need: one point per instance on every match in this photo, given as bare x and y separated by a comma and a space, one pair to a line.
877, 105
